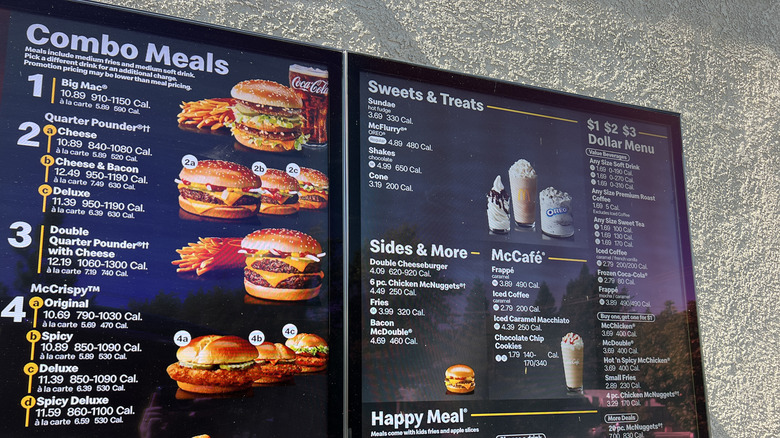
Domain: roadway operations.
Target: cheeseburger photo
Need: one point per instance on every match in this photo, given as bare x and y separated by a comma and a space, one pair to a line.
282, 265
219, 189
311, 352
215, 364
459, 379
276, 362
267, 116
280, 193
313, 193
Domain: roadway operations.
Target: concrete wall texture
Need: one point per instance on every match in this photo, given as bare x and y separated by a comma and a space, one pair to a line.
715, 62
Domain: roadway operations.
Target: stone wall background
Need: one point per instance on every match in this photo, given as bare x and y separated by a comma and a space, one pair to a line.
715, 62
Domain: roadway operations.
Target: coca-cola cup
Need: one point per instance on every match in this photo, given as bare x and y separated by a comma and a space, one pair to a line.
311, 84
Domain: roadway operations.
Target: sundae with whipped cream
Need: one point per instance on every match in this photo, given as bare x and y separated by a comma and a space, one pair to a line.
498, 208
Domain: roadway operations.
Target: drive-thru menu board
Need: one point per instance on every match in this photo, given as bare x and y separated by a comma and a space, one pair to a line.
171, 254
521, 262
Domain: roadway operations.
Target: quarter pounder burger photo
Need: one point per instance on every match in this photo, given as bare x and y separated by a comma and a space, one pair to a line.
214, 364
276, 362
280, 193
311, 352
459, 379
267, 116
282, 265
313, 193
220, 189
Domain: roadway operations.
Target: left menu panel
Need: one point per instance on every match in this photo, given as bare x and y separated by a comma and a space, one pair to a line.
172, 216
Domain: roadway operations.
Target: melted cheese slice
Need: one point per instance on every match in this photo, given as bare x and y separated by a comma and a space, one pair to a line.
201, 207
296, 262
274, 278
229, 196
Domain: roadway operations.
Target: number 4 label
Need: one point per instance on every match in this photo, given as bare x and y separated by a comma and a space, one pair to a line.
15, 310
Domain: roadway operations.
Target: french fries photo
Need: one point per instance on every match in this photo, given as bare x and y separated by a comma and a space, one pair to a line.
210, 253
209, 114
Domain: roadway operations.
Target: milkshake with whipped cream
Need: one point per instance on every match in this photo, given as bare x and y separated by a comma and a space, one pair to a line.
498, 208
572, 353
522, 184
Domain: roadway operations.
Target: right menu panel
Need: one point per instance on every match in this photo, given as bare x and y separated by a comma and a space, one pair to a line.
520, 262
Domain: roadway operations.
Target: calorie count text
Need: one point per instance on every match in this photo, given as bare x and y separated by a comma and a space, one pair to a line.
378, 135
516, 320
89, 95
614, 236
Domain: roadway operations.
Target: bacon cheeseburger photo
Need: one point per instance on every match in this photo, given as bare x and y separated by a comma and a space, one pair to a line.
313, 194
282, 265
215, 364
459, 379
280, 193
219, 189
267, 116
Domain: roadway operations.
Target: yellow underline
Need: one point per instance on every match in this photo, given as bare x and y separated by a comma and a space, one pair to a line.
511, 414
652, 135
566, 260
531, 114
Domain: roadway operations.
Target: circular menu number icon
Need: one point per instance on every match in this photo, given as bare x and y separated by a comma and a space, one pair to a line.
189, 161
182, 338
257, 337
289, 330
293, 170
259, 168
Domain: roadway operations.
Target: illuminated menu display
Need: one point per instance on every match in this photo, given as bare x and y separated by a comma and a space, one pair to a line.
171, 242
523, 260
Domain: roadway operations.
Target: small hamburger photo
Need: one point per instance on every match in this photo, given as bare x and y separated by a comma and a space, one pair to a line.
214, 364
282, 265
276, 362
314, 185
311, 352
459, 379
267, 116
219, 189
280, 193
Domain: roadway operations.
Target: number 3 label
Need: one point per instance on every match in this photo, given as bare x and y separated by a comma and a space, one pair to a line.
22, 239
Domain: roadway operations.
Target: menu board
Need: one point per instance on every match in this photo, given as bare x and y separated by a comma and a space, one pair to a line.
172, 216
520, 262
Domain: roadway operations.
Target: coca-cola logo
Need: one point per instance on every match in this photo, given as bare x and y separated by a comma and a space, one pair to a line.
316, 87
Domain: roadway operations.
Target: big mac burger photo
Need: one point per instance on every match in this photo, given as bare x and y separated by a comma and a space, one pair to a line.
219, 189
282, 265
215, 364
313, 194
280, 193
267, 116
311, 352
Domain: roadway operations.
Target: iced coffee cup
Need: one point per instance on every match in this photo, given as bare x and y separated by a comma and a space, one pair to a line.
572, 354
522, 184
